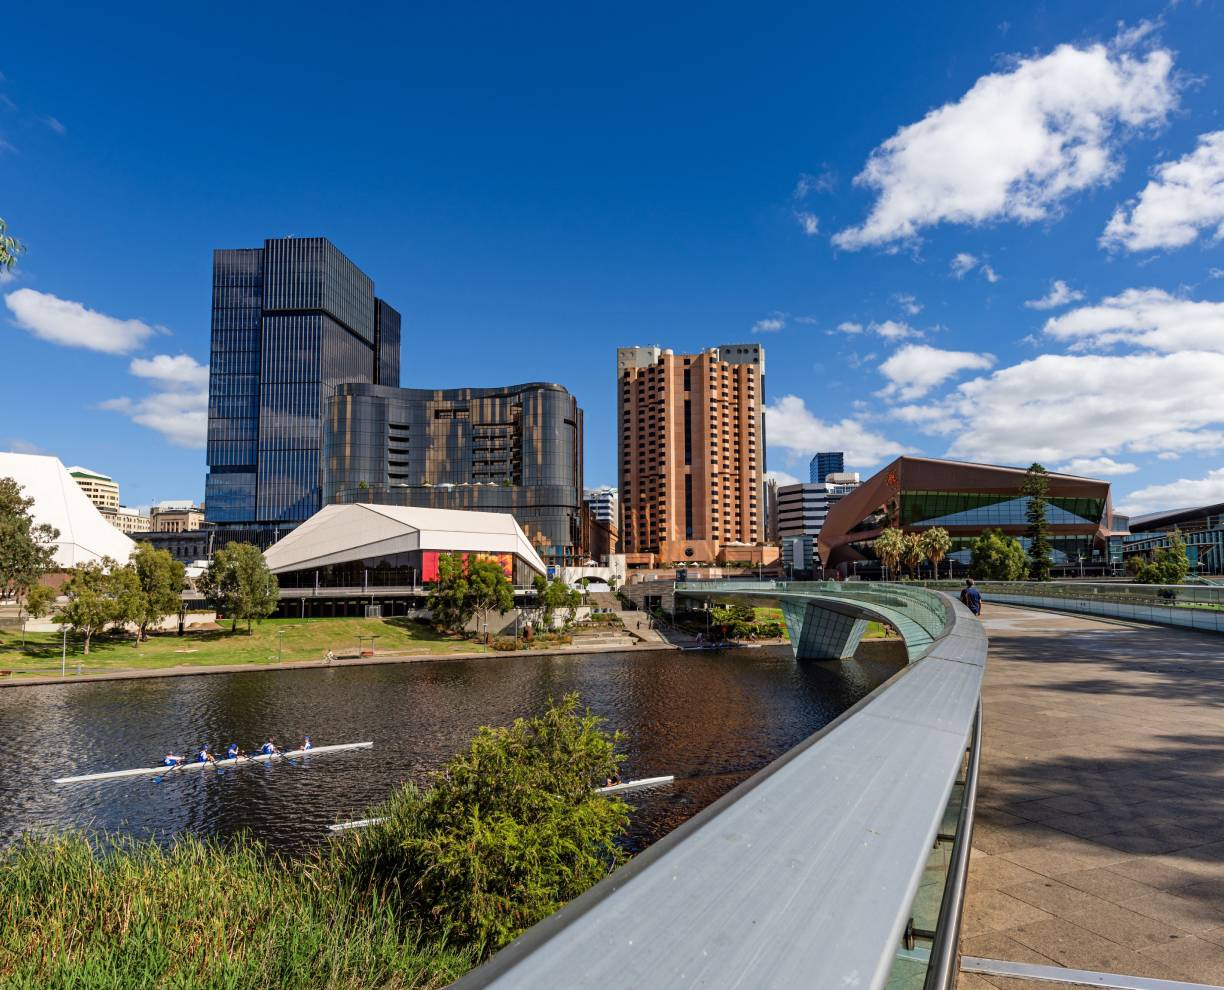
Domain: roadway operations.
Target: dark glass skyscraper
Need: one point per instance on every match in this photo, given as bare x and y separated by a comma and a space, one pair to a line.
516, 449
290, 322
825, 464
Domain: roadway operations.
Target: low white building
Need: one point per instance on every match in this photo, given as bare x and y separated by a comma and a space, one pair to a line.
85, 534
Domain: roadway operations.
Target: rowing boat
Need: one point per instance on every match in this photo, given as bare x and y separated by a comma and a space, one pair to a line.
196, 765
628, 785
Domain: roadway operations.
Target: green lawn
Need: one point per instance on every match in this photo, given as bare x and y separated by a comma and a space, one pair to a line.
302, 639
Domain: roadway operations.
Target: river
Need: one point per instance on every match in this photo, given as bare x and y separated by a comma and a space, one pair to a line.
711, 719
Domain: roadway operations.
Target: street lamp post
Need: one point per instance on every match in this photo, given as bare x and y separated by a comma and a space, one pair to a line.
280, 643
64, 655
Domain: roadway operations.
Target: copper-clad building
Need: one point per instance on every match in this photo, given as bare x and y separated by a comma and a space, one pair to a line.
916, 493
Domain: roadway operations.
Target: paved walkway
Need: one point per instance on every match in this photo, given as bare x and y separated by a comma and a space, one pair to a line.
1099, 842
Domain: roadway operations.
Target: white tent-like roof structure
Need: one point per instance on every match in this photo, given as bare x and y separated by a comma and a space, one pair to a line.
340, 533
85, 535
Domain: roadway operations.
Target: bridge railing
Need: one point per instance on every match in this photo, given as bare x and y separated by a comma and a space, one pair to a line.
841, 864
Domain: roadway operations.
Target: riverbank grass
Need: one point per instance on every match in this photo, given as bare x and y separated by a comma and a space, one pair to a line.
270, 641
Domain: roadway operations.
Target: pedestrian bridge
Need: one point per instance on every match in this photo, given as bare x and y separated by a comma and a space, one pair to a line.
840, 865
826, 620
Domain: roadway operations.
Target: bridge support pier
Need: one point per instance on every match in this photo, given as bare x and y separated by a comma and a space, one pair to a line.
819, 633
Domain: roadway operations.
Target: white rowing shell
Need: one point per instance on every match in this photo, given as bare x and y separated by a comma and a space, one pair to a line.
628, 785
196, 765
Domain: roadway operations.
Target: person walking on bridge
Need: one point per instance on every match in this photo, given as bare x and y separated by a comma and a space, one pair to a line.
971, 598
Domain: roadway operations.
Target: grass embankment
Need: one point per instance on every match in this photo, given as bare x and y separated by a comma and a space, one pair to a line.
299, 639
507, 833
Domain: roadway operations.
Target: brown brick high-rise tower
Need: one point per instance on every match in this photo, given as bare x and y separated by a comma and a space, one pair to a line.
692, 450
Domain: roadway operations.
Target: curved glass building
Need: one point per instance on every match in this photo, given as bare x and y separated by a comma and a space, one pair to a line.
916, 493
516, 449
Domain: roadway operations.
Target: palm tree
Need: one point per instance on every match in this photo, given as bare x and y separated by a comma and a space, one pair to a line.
915, 552
890, 547
936, 543
10, 247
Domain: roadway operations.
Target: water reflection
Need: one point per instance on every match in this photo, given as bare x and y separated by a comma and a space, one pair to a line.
711, 719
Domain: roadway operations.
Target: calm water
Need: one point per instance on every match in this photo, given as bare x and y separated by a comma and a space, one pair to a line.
711, 719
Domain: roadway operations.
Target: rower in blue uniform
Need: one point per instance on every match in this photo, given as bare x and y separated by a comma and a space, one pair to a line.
204, 756
269, 748
233, 751
307, 744
172, 760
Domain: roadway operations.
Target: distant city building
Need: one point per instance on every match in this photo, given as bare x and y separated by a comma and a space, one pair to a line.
85, 535
129, 520
516, 449
692, 451
771, 510
825, 464
917, 493
801, 515
291, 321
101, 489
1200, 527
187, 547
176, 517
600, 523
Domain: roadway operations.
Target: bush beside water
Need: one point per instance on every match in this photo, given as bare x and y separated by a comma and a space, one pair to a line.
507, 833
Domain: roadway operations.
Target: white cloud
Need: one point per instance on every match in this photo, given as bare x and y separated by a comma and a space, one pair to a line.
825, 182
1058, 407
55, 125
1017, 144
909, 303
965, 262
916, 369
1180, 494
894, 330
771, 325
809, 222
850, 327
1096, 467
782, 478
178, 410
7, 275
990, 275
1148, 318
18, 445
61, 321
1185, 197
1060, 294
791, 426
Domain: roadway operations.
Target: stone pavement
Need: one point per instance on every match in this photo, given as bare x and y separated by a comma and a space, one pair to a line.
1099, 836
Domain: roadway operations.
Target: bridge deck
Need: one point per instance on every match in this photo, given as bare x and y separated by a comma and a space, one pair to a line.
1099, 842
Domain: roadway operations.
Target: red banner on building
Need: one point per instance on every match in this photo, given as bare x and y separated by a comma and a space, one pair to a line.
429, 563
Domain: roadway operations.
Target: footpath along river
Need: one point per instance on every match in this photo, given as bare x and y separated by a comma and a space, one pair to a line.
711, 719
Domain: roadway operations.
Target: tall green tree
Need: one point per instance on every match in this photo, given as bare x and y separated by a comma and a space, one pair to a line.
10, 248
996, 557
239, 584
935, 544
93, 592
1168, 565
490, 589
450, 599
890, 548
161, 579
554, 595
1036, 489
915, 552
27, 549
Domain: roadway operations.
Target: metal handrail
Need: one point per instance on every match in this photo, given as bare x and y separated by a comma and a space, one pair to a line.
942, 969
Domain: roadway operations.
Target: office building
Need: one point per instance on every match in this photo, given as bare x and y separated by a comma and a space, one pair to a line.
802, 510
825, 464
516, 449
176, 516
100, 489
604, 504
129, 521
692, 451
291, 321
85, 534
916, 493
1200, 528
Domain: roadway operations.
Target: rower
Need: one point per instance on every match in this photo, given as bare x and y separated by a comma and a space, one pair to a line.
172, 760
205, 756
307, 744
232, 752
269, 748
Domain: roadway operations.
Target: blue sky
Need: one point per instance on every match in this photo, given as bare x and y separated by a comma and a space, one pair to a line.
988, 232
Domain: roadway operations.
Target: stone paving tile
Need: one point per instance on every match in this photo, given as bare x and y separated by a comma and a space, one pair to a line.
995, 911
1067, 854
1097, 915
1194, 958
1187, 913
1104, 882
993, 872
1077, 948
996, 839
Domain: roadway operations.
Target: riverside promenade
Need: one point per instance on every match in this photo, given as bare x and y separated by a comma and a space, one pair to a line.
1099, 836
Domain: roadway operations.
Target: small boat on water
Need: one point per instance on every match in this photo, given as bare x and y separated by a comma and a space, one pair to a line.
628, 785
187, 767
